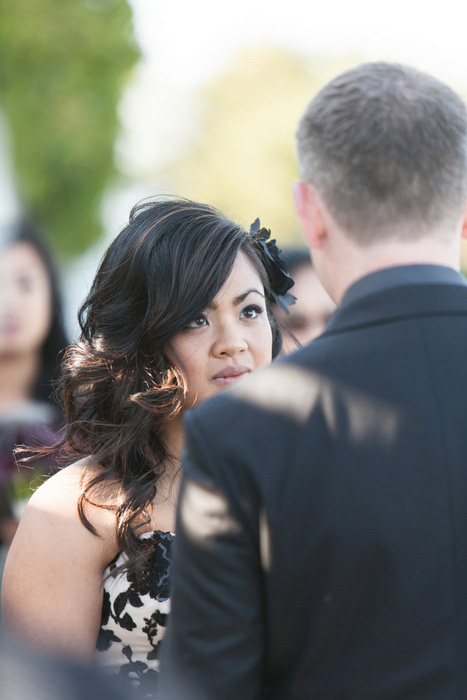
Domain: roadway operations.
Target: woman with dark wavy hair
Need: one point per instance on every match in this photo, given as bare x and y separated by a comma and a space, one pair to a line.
180, 308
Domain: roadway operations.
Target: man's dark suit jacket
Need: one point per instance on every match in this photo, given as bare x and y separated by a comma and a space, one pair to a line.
322, 537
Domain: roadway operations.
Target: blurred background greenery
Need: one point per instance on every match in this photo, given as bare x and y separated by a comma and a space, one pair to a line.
72, 79
244, 158
63, 66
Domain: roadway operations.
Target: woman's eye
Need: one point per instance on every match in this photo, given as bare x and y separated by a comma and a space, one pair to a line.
252, 311
198, 322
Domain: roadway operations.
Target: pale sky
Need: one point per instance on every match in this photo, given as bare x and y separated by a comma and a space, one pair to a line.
190, 41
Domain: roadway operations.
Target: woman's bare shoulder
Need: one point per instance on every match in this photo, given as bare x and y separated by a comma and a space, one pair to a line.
52, 580
55, 503
65, 482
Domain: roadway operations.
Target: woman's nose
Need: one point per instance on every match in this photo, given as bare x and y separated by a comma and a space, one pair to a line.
230, 341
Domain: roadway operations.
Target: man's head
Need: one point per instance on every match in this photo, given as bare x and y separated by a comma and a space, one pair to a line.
385, 147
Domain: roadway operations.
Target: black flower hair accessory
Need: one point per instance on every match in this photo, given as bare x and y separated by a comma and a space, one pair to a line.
279, 280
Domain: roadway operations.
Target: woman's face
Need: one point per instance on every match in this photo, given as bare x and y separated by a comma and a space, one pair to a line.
25, 300
229, 339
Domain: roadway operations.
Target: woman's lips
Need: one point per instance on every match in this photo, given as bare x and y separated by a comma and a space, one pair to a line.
229, 375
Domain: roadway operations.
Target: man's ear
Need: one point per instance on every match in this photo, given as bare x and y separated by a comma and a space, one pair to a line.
310, 208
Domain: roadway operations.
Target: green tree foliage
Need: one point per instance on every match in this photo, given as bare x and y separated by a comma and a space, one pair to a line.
63, 64
244, 160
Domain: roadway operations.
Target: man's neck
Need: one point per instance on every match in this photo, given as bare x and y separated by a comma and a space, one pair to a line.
354, 262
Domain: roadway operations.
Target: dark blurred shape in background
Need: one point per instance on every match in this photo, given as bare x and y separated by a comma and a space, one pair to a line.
25, 675
314, 307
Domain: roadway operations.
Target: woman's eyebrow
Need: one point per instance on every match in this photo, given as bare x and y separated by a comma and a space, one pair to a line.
238, 300
242, 297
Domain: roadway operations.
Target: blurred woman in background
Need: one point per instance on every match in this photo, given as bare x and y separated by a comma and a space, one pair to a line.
32, 338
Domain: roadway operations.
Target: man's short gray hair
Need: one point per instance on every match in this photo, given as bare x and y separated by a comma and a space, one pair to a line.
386, 145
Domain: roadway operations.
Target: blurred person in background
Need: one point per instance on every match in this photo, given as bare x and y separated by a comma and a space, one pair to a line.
313, 308
180, 309
32, 338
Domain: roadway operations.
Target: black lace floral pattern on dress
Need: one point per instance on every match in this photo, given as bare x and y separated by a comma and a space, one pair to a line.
134, 616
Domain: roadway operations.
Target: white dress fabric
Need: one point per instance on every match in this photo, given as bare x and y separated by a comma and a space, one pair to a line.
134, 617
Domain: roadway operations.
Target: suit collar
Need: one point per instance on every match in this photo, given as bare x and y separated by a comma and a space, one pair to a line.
402, 275
400, 292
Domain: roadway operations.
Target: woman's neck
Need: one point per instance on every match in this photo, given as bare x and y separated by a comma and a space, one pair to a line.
163, 511
18, 374
173, 437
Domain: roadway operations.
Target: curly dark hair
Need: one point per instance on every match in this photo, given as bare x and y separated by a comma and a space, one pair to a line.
118, 387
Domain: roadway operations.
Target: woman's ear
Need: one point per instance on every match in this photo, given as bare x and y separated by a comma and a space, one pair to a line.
310, 211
